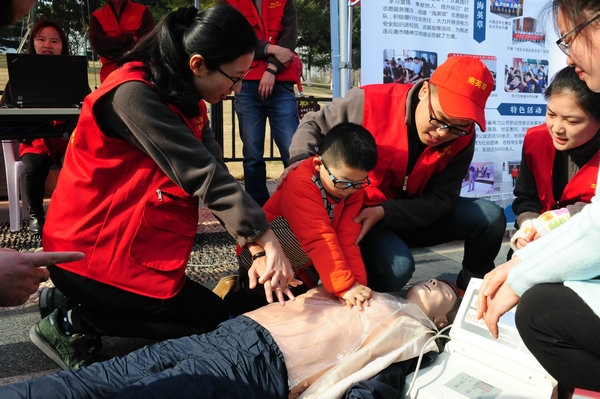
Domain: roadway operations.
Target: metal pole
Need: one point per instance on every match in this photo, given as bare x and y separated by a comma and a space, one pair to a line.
335, 48
344, 23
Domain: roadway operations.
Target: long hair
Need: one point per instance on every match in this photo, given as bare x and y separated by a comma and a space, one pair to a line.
220, 34
566, 81
575, 11
44, 23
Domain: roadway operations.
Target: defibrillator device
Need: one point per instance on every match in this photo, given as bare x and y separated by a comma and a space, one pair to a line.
476, 365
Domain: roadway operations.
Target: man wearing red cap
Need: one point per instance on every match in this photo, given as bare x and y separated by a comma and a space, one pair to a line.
425, 142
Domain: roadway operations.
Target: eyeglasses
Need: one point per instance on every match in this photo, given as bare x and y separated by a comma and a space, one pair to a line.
234, 80
344, 184
562, 42
438, 124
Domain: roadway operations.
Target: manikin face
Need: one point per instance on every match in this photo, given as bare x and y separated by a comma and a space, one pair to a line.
584, 50
216, 85
435, 299
568, 124
47, 42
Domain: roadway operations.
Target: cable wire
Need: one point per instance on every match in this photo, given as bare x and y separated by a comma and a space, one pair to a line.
439, 334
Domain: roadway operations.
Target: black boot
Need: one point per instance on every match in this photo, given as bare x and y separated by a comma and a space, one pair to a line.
36, 221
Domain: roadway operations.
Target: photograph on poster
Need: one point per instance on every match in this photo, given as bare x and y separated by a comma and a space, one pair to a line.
526, 75
408, 66
527, 30
479, 179
495, 33
513, 171
507, 8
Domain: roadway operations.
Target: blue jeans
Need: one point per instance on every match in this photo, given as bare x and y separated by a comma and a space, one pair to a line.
252, 111
480, 223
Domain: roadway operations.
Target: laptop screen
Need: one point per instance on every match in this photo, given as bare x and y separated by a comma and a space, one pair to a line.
47, 81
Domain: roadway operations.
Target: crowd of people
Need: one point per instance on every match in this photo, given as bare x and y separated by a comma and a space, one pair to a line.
525, 78
408, 70
335, 238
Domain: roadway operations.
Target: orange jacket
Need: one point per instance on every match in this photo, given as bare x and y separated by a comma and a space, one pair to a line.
329, 243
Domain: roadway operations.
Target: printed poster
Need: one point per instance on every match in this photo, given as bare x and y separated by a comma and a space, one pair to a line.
405, 40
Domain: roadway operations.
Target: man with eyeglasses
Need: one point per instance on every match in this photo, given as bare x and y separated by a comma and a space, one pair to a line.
425, 142
268, 89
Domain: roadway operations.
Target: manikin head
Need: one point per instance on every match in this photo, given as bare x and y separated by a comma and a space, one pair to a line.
439, 300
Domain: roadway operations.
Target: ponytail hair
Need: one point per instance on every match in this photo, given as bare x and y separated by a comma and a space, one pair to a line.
220, 34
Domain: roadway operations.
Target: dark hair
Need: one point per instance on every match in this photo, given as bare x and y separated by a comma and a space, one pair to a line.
451, 315
45, 23
576, 11
567, 81
220, 34
351, 145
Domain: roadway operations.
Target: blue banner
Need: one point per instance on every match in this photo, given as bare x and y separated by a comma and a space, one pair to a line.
520, 109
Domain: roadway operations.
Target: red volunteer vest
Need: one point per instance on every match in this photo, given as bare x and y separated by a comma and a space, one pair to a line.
384, 115
130, 22
112, 202
540, 153
267, 29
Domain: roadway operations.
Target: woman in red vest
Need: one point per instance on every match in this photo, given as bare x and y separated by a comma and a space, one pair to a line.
560, 159
140, 159
115, 28
38, 155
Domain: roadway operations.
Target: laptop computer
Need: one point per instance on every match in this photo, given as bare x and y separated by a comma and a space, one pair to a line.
47, 81
475, 365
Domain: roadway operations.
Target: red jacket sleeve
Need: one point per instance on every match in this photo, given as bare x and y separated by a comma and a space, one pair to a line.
330, 245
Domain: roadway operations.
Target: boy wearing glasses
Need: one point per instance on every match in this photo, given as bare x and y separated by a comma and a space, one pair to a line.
425, 142
312, 213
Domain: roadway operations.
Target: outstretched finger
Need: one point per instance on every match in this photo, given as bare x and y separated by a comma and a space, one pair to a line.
52, 258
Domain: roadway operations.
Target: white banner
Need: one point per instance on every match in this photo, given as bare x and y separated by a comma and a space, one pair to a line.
404, 40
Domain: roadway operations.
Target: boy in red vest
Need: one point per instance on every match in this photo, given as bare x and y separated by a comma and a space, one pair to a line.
425, 142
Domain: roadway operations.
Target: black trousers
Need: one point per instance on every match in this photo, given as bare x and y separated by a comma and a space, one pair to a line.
563, 333
36, 171
102, 309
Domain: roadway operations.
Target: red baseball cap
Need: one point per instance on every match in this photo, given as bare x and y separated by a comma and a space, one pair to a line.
463, 86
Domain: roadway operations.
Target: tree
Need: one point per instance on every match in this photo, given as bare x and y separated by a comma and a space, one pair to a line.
74, 17
314, 33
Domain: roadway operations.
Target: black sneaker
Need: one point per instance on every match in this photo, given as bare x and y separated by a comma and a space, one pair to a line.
51, 298
68, 352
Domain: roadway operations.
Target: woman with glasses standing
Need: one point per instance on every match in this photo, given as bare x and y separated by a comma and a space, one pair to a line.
139, 161
425, 143
554, 279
